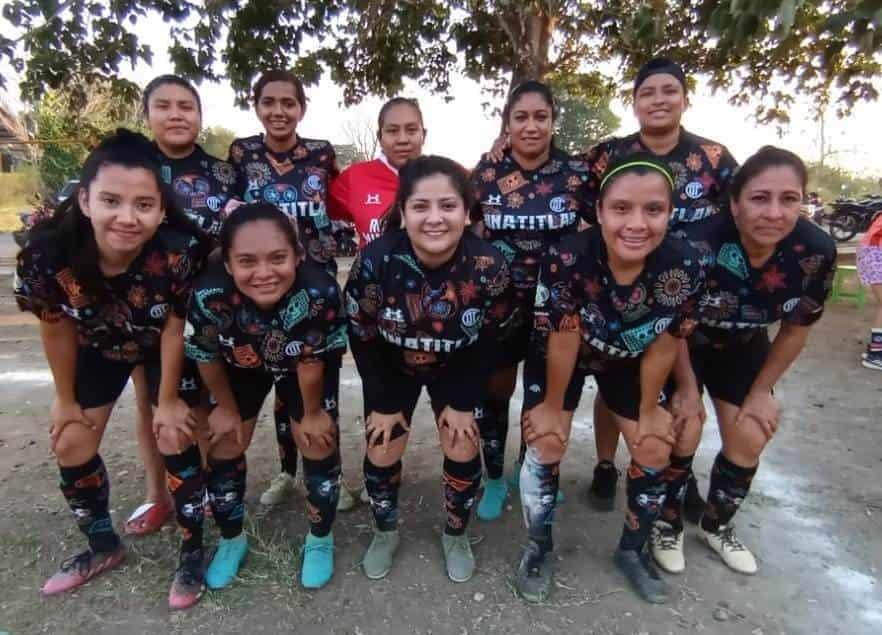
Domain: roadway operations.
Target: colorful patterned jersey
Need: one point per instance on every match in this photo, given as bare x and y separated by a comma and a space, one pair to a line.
427, 323
702, 170
525, 211
126, 326
791, 286
577, 292
307, 323
202, 184
297, 182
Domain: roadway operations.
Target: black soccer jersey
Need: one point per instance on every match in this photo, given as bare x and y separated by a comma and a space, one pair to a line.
295, 181
308, 322
432, 324
739, 299
126, 326
702, 170
525, 211
577, 292
202, 184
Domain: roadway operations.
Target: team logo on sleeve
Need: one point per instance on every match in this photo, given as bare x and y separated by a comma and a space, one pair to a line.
694, 189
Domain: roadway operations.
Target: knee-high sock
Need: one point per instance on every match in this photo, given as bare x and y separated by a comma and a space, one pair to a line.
676, 476
322, 479
226, 491
87, 490
646, 495
284, 438
729, 485
186, 482
461, 483
382, 484
539, 485
493, 425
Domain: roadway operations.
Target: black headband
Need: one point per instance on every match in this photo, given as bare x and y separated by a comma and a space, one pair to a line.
656, 66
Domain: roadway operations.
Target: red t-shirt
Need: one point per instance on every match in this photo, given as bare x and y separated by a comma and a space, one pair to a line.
361, 194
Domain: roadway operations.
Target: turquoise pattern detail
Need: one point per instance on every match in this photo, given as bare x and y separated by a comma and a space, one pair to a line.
296, 311
639, 337
410, 262
732, 258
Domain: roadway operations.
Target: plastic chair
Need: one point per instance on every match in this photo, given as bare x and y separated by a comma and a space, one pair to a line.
840, 292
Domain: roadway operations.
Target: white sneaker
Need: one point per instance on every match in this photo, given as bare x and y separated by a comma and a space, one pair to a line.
346, 501
730, 549
281, 487
666, 544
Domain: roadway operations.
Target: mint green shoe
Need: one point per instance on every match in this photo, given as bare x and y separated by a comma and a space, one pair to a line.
226, 561
318, 561
458, 557
493, 499
514, 481
377, 561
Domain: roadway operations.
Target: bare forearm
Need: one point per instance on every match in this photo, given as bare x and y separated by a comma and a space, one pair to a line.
310, 378
214, 375
786, 347
655, 368
60, 345
171, 358
563, 351
684, 375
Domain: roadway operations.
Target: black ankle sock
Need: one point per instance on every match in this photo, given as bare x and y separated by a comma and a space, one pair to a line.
382, 484
226, 491
729, 485
461, 483
87, 490
322, 478
186, 482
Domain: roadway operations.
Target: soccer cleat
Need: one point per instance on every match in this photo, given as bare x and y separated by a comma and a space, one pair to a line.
378, 559
282, 487
666, 544
458, 557
493, 499
318, 561
79, 569
602, 491
535, 574
189, 583
641, 573
226, 561
730, 549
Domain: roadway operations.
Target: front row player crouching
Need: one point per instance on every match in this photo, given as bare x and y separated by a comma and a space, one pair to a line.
614, 300
424, 302
109, 276
261, 317
769, 265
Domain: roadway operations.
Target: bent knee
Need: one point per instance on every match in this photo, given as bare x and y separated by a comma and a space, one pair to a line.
548, 449
75, 445
652, 452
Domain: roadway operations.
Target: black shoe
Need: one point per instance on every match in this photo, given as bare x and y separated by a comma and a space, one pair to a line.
637, 566
693, 506
535, 572
602, 492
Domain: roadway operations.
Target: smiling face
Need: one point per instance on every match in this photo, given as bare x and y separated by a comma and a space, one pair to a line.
767, 208
174, 118
125, 208
279, 110
402, 134
659, 103
530, 124
633, 216
435, 219
262, 262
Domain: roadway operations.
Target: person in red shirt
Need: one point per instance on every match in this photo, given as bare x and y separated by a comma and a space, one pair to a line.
363, 192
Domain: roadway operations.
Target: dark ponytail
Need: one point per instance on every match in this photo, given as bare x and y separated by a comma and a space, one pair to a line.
71, 230
418, 169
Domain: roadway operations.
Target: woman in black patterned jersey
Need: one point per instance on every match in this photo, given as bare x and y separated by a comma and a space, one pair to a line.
109, 276
202, 185
261, 316
701, 169
425, 303
615, 302
528, 201
293, 173
770, 265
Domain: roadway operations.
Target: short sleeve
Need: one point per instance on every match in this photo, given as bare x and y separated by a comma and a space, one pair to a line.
201, 331
39, 291
325, 330
817, 284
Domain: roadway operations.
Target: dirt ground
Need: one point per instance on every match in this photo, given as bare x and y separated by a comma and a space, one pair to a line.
813, 518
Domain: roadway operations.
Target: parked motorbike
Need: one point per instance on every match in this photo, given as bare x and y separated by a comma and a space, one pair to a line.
851, 217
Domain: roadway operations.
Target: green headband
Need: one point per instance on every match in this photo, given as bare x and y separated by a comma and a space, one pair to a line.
643, 164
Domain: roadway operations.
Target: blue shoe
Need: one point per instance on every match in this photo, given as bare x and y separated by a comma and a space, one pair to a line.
495, 493
318, 561
514, 481
226, 561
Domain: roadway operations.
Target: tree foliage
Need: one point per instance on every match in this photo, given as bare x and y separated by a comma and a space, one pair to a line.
67, 129
584, 114
761, 50
216, 140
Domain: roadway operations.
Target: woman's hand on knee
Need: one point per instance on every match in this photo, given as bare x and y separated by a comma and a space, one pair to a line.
657, 423
761, 407
542, 421
460, 428
62, 414
316, 430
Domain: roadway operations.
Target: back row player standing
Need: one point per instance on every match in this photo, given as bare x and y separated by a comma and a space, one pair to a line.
702, 170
